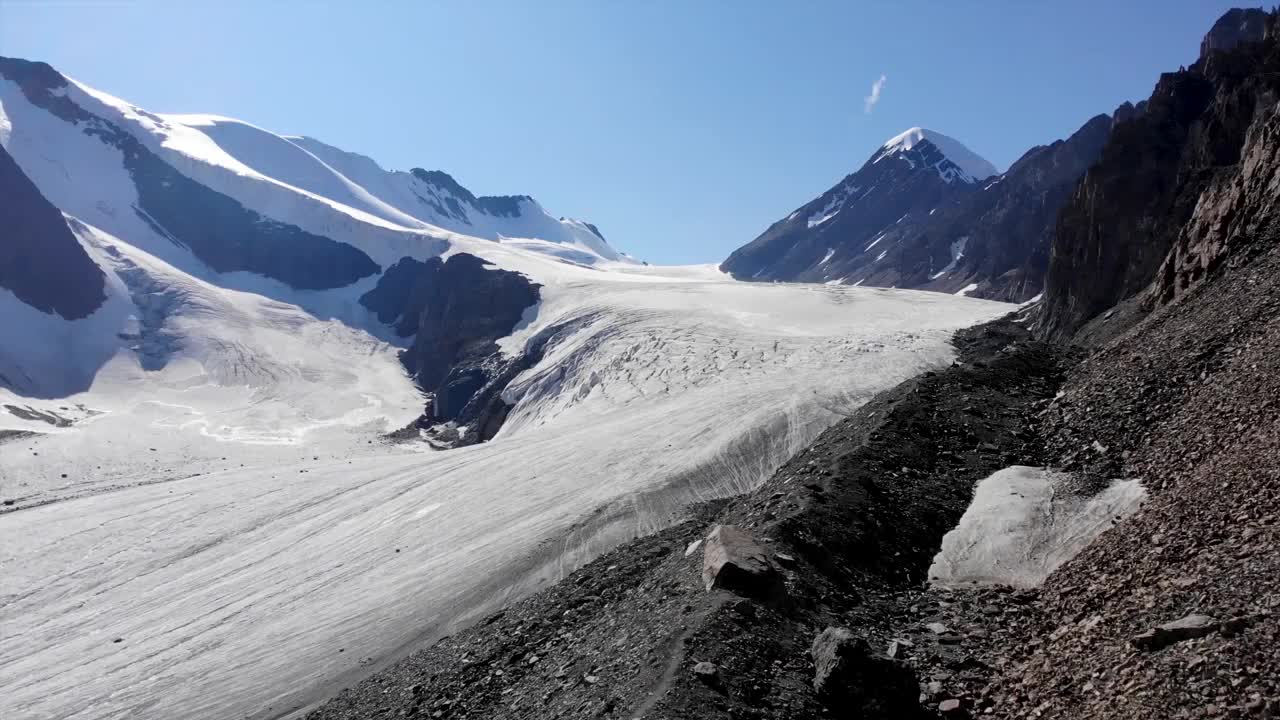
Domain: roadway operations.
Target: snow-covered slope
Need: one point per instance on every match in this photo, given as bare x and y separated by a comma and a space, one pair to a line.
436, 198
203, 518
959, 163
192, 190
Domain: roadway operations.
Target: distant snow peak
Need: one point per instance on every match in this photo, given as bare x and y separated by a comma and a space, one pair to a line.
958, 162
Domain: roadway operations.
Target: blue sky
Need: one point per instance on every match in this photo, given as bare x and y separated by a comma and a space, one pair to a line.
682, 129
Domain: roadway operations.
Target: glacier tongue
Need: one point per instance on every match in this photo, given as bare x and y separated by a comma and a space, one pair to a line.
212, 569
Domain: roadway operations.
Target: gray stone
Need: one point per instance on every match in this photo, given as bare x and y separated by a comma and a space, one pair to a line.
851, 681
707, 672
732, 560
832, 651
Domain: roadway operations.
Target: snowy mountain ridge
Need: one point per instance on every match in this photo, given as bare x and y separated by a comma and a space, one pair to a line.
968, 167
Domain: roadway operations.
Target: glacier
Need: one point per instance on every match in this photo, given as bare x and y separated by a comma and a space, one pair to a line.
204, 517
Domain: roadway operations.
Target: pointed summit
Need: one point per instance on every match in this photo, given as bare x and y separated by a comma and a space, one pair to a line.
972, 167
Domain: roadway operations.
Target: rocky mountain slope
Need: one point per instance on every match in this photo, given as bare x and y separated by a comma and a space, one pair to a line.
907, 178
1003, 233
983, 234
810, 595
41, 262
1177, 175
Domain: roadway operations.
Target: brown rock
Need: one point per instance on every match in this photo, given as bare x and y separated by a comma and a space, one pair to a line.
733, 561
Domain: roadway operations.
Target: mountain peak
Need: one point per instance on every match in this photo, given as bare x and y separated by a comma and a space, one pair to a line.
972, 165
1238, 25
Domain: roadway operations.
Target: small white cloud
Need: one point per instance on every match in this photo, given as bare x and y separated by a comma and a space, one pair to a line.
869, 102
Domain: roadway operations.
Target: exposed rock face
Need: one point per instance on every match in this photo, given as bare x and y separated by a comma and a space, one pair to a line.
41, 262
1009, 225
1238, 25
898, 223
1237, 213
401, 294
496, 205
466, 306
458, 309
1184, 172
219, 230
732, 560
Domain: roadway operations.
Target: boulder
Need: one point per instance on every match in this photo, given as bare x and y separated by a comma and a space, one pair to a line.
732, 560
836, 654
708, 673
847, 676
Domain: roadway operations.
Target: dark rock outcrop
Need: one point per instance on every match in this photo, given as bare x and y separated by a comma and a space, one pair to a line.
502, 205
41, 261
1238, 25
457, 309
594, 229
1237, 215
1008, 226
449, 204
495, 205
467, 305
400, 295
1199, 157
218, 230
